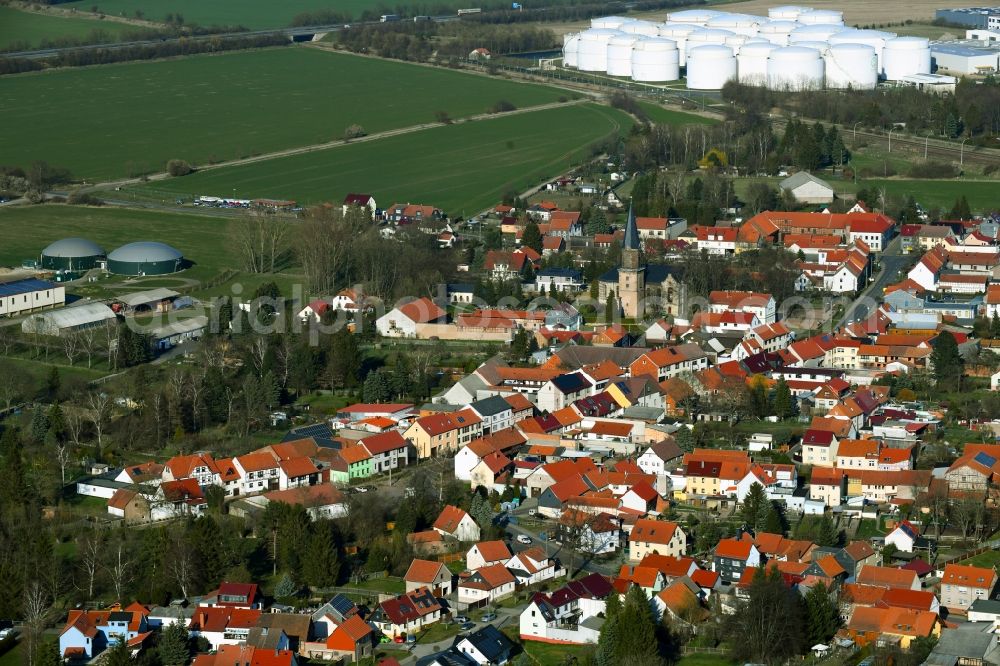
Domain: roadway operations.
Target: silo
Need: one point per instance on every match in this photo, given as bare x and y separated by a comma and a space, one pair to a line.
752, 62
786, 12
641, 28
736, 42
851, 66
820, 47
570, 48
695, 16
655, 59
821, 16
708, 36
906, 55
608, 22
678, 32
710, 66
592, 53
741, 24
818, 32
777, 32
73, 254
873, 38
794, 68
620, 54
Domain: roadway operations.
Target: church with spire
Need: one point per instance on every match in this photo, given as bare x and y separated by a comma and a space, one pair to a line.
643, 290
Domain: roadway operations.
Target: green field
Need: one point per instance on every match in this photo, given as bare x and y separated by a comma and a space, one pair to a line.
459, 168
982, 195
132, 118
21, 29
663, 116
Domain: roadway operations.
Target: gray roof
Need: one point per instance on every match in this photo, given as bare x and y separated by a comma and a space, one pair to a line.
149, 296
801, 178
971, 640
73, 247
75, 315
144, 251
490, 406
631, 231
985, 606
188, 325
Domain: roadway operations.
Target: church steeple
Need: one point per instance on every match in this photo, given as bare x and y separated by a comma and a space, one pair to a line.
631, 231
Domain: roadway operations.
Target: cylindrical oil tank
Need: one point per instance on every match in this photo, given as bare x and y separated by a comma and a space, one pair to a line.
741, 24
655, 60
777, 32
592, 53
678, 32
786, 12
608, 22
570, 49
716, 36
752, 62
821, 16
641, 28
695, 16
620, 54
873, 38
821, 47
710, 66
794, 68
851, 66
736, 42
818, 32
906, 55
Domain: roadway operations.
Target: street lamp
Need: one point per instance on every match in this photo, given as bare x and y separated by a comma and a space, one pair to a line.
891, 130
855, 137
961, 152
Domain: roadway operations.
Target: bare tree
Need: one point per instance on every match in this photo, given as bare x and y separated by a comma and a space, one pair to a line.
258, 353
120, 569
70, 344
11, 388
969, 515
74, 426
88, 341
260, 239
90, 556
63, 454
99, 414
181, 563
35, 609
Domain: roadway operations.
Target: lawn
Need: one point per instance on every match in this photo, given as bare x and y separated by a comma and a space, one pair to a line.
550, 654
703, 659
461, 168
131, 118
867, 529
27, 30
664, 116
981, 194
990, 559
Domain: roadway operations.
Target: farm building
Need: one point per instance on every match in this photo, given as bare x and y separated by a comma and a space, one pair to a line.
68, 320
28, 295
145, 258
160, 299
807, 188
72, 254
177, 332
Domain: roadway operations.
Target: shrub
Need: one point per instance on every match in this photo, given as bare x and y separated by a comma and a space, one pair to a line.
83, 199
178, 168
502, 106
354, 132
933, 170
442, 117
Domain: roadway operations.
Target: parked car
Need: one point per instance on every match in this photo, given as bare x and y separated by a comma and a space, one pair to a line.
4, 633
523, 538
461, 619
488, 617
411, 638
466, 626
398, 639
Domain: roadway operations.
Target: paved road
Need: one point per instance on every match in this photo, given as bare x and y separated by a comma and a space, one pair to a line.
892, 260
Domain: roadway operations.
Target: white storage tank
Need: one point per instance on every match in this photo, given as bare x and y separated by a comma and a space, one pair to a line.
695, 16
741, 24
570, 48
873, 38
786, 12
851, 66
710, 66
752, 62
794, 68
777, 32
819, 32
608, 22
904, 56
716, 36
620, 54
821, 47
655, 60
821, 16
641, 28
736, 42
678, 32
592, 53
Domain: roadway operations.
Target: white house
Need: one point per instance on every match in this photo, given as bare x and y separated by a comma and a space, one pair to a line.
487, 585
401, 322
561, 391
456, 523
757, 303
486, 553
660, 458
807, 188
532, 566
569, 615
904, 537
314, 311
656, 536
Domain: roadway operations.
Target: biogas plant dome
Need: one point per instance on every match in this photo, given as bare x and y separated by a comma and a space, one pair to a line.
145, 258
75, 254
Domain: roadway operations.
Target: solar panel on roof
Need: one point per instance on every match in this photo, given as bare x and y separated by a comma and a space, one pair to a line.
24, 286
985, 459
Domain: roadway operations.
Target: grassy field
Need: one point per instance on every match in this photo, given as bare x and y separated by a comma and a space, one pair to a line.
549, 654
459, 168
663, 116
704, 659
20, 29
981, 194
990, 559
132, 118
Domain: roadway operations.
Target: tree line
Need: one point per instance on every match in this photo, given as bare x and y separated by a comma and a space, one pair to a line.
422, 40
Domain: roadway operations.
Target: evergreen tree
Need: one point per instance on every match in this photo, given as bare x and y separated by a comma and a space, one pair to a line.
481, 512
175, 647
947, 362
784, 405
756, 506
961, 210
611, 308
775, 521
767, 627
629, 632
52, 384
822, 619
39, 424
285, 588
995, 326
532, 236
118, 654
597, 223
758, 397
320, 565
47, 654
684, 439
611, 632
377, 387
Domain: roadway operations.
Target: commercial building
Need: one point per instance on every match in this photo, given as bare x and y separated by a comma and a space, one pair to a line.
965, 57
971, 17
20, 296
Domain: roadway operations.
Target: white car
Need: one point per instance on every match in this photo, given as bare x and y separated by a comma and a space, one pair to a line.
4, 633
523, 538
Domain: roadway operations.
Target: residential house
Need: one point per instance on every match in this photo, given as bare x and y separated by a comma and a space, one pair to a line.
486, 553
488, 584
904, 537
88, 633
532, 566
246, 655
430, 574
570, 615
223, 625
455, 523
505, 442
485, 646
442, 433
660, 458
561, 391
732, 556
199, 466
402, 321
408, 613
891, 626
656, 536
594, 534
495, 412
975, 469
828, 485
411, 213
667, 362
762, 305
366, 201
353, 640
819, 448
387, 451
888, 577
962, 585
